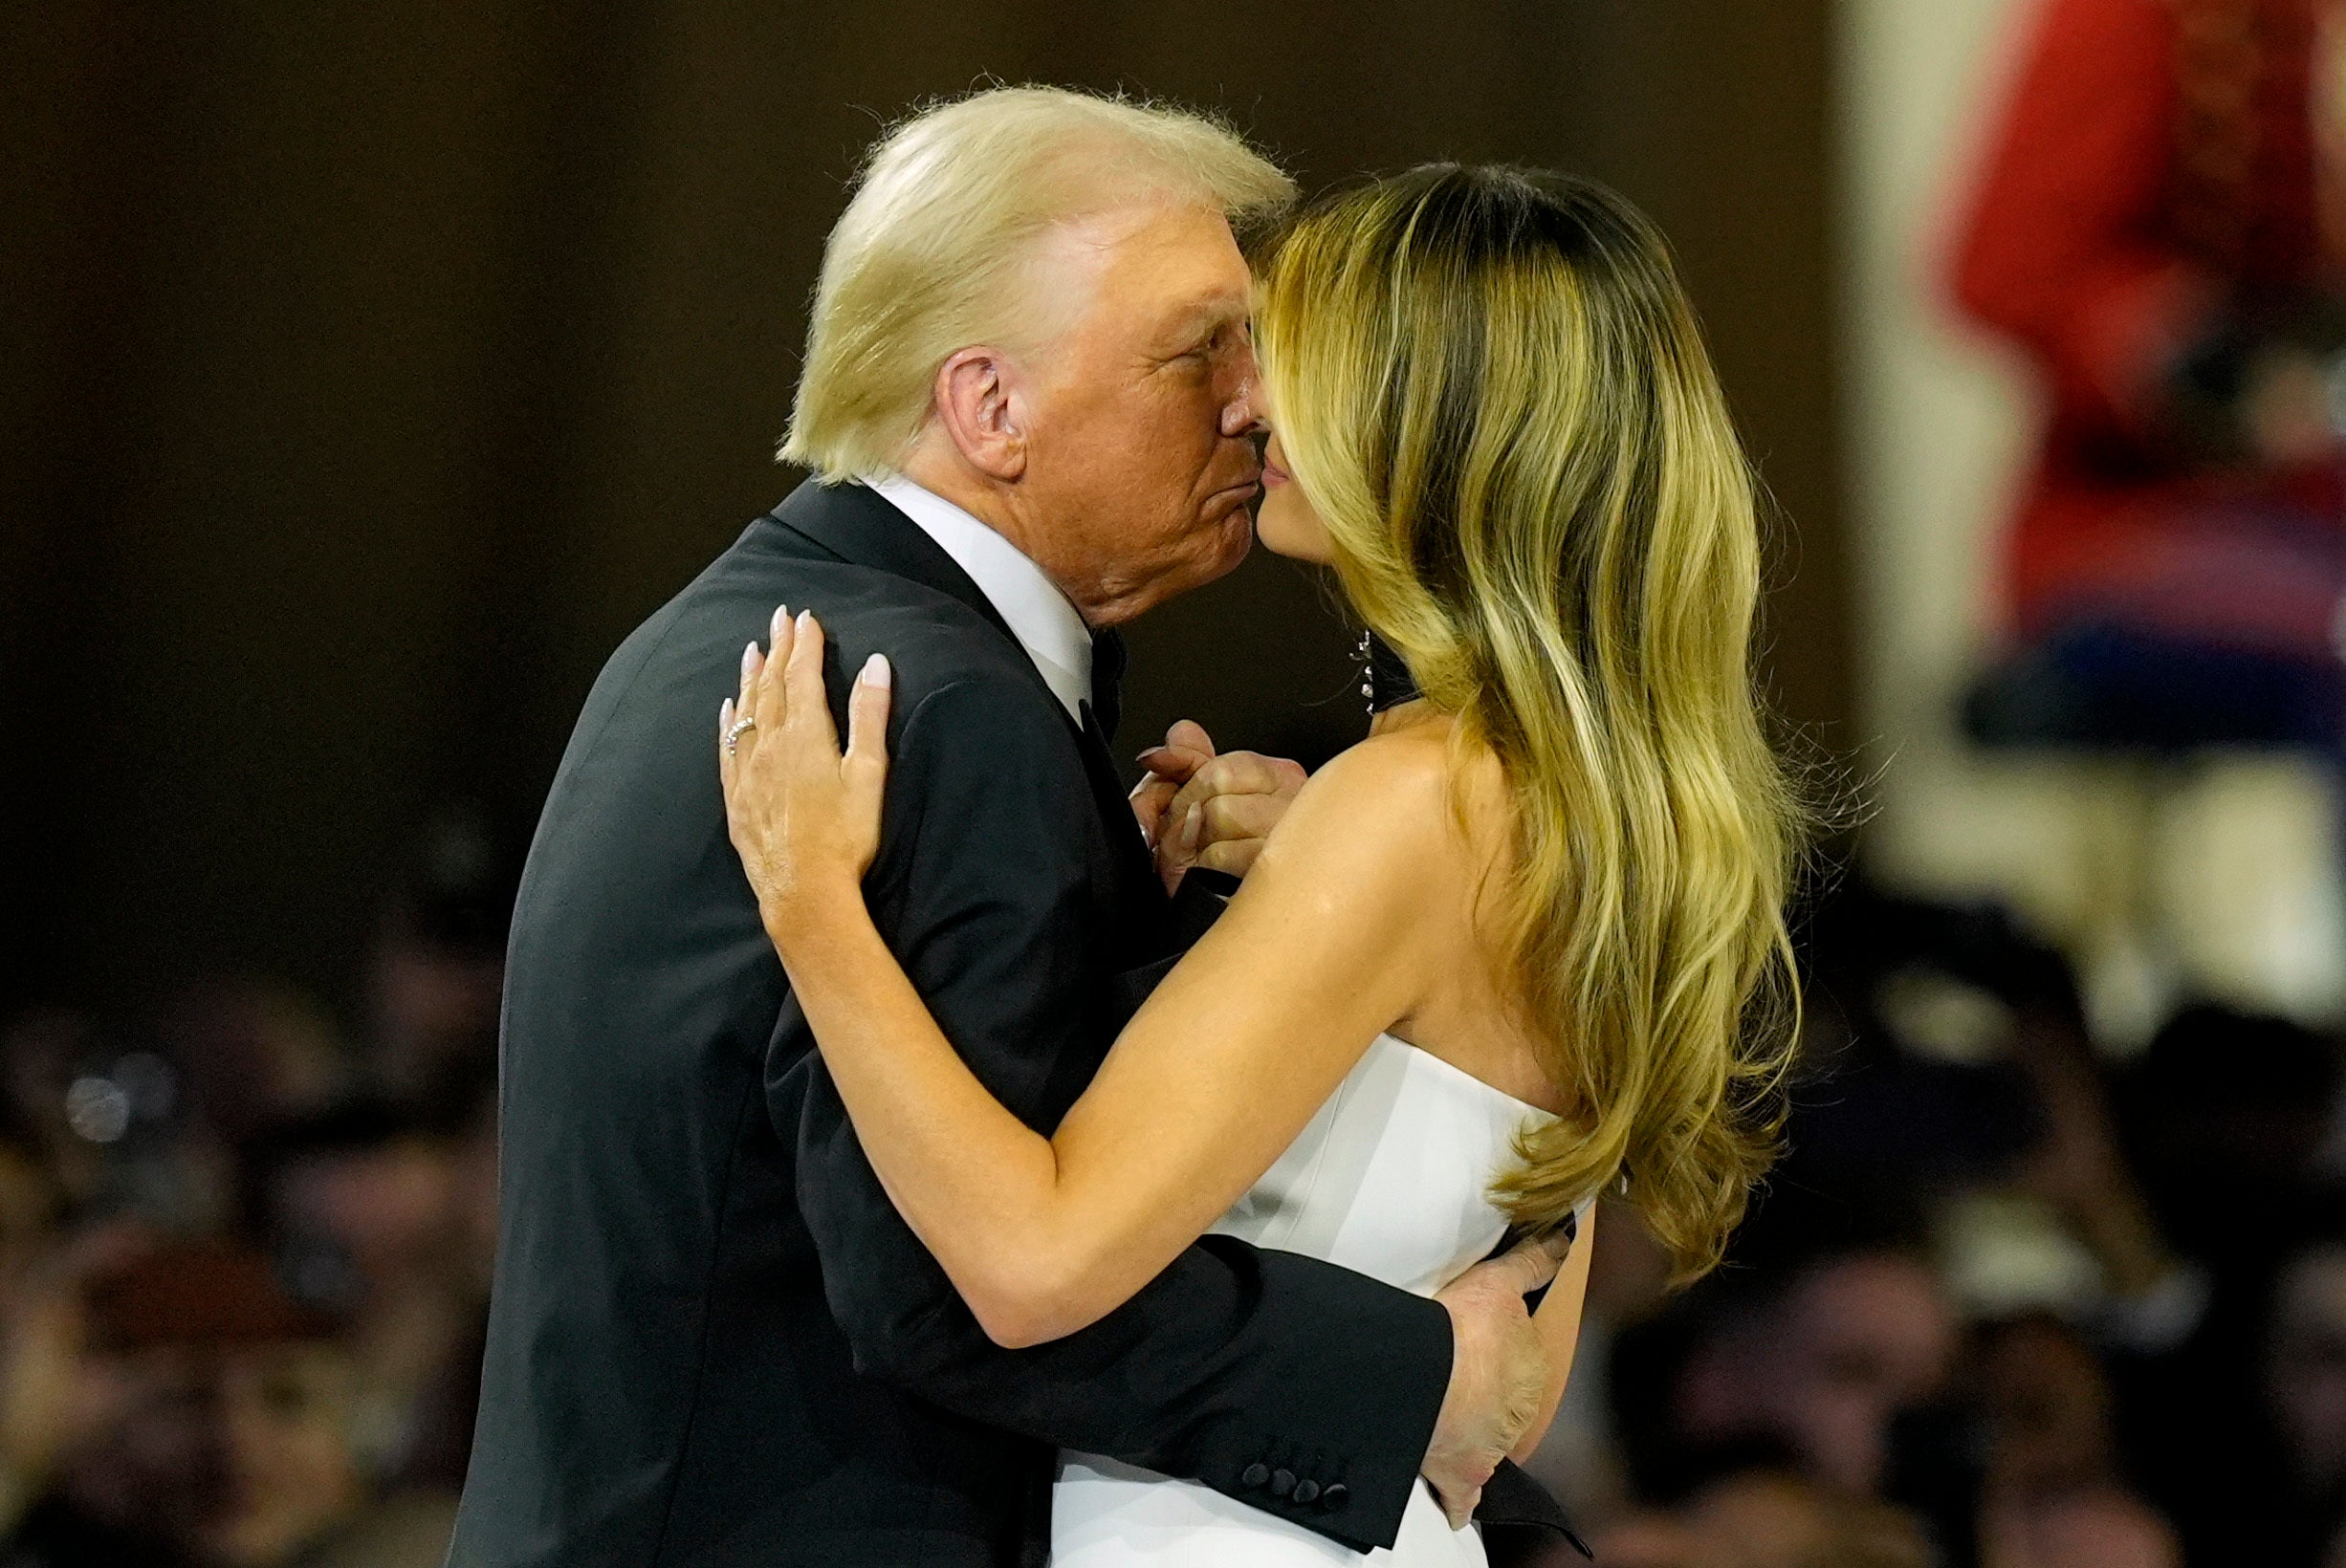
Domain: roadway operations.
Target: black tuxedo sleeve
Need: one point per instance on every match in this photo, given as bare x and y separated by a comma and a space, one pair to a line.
1301, 1388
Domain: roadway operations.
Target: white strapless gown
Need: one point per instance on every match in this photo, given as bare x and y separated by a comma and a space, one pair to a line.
1392, 1179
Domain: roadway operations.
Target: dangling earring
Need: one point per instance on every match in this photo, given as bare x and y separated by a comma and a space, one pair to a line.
1385, 677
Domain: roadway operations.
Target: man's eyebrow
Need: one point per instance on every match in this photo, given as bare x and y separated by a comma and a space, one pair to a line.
1207, 316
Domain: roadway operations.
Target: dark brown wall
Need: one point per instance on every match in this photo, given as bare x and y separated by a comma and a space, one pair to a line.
372, 368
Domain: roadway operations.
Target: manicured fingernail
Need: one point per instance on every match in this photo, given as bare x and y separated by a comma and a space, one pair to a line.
773, 627
876, 672
749, 658
1190, 826
806, 618
725, 711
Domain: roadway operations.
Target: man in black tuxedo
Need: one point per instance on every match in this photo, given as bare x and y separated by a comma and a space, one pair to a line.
713, 1341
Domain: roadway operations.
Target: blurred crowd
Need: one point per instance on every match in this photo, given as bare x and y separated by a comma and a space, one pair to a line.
2010, 1301
245, 1256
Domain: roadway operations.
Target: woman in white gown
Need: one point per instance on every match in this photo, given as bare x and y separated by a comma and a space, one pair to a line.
1525, 940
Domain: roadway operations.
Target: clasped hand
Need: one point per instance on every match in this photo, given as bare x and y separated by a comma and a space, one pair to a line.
1197, 807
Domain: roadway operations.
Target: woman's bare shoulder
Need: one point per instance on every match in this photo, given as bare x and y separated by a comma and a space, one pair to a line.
1424, 762
1401, 770
1389, 806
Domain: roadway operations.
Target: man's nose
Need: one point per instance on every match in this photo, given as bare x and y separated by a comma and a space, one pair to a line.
1241, 415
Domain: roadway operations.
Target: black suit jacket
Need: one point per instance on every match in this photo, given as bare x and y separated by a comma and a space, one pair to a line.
712, 1340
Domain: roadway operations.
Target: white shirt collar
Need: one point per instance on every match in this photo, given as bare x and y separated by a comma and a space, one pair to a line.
1045, 622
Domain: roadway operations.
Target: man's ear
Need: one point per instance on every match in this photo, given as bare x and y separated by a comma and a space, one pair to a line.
977, 402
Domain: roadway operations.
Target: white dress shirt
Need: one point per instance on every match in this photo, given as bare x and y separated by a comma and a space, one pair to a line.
1045, 622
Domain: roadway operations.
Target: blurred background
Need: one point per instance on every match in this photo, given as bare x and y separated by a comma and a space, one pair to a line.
371, 370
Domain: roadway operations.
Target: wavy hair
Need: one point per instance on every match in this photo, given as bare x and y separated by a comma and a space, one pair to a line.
1491, 388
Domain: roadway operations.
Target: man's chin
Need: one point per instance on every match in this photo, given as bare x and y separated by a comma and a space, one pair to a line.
1238, 530
1213, 550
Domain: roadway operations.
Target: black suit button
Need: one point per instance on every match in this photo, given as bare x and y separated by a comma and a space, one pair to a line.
1335, 1496
1306, 1491
1283, 1482
1253, 1475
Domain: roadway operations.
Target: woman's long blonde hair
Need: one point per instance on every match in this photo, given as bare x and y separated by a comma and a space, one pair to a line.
1492, 390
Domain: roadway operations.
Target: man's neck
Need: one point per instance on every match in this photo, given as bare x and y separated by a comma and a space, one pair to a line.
952, 482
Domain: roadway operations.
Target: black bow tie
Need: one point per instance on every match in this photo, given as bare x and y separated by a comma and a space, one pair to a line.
1107, 681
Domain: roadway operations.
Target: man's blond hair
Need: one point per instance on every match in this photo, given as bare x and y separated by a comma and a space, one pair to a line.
929, 257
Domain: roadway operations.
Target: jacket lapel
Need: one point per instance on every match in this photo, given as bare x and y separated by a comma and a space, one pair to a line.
1136, 877
853, 523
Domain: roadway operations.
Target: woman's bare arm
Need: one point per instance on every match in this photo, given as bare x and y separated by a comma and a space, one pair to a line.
1203, 1090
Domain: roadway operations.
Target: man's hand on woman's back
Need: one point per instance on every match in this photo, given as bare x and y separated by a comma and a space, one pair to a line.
1498, 1371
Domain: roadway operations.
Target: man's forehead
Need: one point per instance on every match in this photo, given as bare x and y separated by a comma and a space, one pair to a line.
1179, 252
